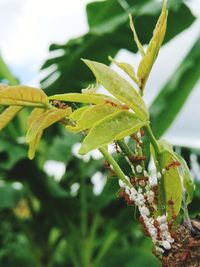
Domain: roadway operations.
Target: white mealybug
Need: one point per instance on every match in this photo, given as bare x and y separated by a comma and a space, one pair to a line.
121, 184
139, 168
145, 173
159, 175
166, 244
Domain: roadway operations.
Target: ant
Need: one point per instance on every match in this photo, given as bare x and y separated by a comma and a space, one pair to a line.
171, 203
172, 165
111, 103
123, 195
137, 158
146, 232
116, 147
59, 104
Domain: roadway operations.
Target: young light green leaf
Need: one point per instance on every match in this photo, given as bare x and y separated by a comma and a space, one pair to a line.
91, 116
34, 116
136, 39
46, 119
119, 88
171, 181
90, 98
23, 96
33, 145
113, 127
188, 184
8, 114
148, 60
78, 113
146, 65
127, 68
165, 145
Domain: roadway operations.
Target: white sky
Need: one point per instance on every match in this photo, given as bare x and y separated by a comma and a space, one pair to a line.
29, 26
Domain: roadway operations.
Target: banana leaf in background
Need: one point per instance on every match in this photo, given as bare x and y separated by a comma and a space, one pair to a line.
109, 32
174, 94
49, 223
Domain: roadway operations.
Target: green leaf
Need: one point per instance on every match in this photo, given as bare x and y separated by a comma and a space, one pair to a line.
89, 98
170, 182
8, 114
23, 96
33, 145
118, 87
127, 68
187, 179
91, 116
11, 154
172, 97
9, 196
78, 113
136, 39
45, 120
165, 145
35, 115
149, 58
113, 127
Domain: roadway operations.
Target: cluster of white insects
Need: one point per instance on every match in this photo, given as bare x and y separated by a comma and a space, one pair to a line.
141, 191
156, 228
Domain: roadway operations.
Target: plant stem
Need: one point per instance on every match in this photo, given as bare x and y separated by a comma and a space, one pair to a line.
125, 148
114, 164
152, 139
161, 198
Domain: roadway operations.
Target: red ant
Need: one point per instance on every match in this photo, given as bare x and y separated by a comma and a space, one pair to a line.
134, 181
172, 165
108, 167
116, 147
155, 189
111, 103
59, 104
136, 139
156, 223
123, 195
171, 203
137, 158
142, 132
125, 107
141, 220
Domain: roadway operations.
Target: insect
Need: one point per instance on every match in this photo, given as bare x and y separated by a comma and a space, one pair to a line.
123, 195
134, 181
59, 104
116, 147
111, 103
172, 165
141, 220
137, 158
171, 203
125, 107
108, 167
156, 223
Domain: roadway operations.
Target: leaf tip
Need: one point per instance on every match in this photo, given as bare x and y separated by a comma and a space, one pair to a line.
31, 155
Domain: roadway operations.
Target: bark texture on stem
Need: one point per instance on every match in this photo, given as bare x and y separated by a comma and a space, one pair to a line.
185, 251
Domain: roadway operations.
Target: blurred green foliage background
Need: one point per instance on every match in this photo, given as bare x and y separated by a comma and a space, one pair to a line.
47, 223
